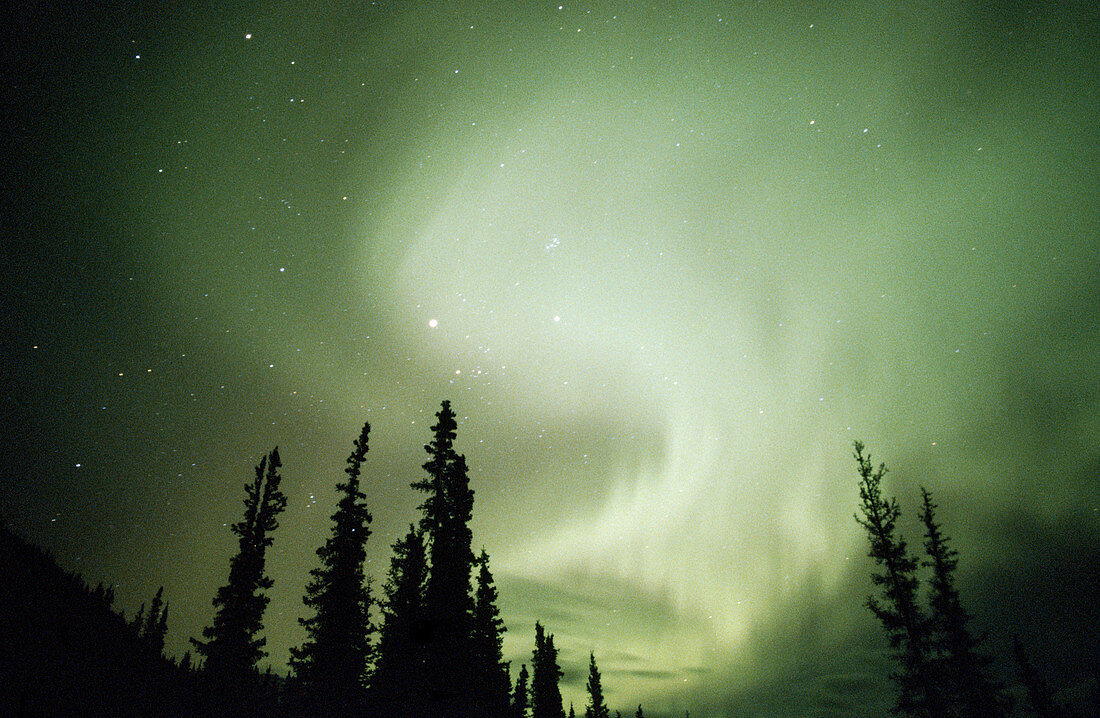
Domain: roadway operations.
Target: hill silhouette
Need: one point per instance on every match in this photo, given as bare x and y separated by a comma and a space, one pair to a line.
65, 651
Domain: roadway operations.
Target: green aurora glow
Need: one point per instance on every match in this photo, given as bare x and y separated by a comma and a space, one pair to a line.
667, 260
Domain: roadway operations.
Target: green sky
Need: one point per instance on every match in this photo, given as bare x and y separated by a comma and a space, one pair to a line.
667, 260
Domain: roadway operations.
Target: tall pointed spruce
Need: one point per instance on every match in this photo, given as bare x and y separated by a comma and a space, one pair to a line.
904, 622
596, 706
137, 623
958, 663
399, 682
448, 605
156, 626
545, 692
158, 636
520, 694
1039, 696
151, 623
491, 682
332, 663
232, 648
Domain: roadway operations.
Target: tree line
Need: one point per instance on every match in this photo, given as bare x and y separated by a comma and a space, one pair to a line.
436, 651
435, 646
941, 669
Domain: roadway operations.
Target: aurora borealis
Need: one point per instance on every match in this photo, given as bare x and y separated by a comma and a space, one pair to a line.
667, 260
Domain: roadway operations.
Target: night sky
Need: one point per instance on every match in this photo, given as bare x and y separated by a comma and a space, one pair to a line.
667, 260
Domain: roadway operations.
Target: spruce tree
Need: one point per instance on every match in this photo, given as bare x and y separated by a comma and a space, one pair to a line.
957, 661
520, 694
332, 664
448, 605
155, 634
491, 681
137, 624
399, 681
554, 671
162, 628
152, 633
596, 706
1039, 695
232, 647
545, 692
154, 613
639, 713
904, 622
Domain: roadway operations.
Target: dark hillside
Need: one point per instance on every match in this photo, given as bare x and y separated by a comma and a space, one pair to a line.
64, 651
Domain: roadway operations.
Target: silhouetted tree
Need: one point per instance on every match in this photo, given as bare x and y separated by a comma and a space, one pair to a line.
151, 621
1039, 695
137, 624
545, 692
957, 661
638, 713
106, 596
232, 648
156, 624
572, 713
596, 706
904, 622
399, 680
332, 663
491, 682
448, 605
520, 694
162, 630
